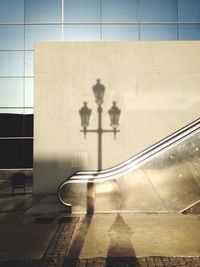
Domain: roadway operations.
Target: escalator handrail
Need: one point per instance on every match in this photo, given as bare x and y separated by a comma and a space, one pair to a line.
195, 124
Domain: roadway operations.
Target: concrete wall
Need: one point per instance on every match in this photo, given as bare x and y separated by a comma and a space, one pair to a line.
155, 84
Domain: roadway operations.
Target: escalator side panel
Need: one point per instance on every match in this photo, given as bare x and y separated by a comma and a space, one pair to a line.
172, 178
139, 194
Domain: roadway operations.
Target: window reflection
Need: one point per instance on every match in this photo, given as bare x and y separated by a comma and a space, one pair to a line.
34, 33
158, 10
29, 92
119, 32
82, 32
43, 11
29, 55
11, 92
11, 11
119, 11
12, 37
158, 32
189, 10
82, 11
189, 32
11, 63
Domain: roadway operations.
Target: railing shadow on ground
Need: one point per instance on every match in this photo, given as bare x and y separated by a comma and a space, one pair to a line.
78, 242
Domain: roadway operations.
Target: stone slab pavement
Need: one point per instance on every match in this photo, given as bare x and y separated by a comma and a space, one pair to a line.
133, 234
114, 239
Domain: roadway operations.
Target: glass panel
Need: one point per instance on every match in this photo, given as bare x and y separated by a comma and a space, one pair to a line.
189, 11
158, 10
34, 33
29, 61
27, 159
172, 174
82, 11
12, 156
158, 32
189, 32
82, 33
16, 125
119, 11
12, 37
119, 32
43, 11
28, 124
11, 125
11, 92
11, 63
29, 92
12, 11
17, 153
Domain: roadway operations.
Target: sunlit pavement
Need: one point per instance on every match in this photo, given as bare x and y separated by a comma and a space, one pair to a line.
117, 239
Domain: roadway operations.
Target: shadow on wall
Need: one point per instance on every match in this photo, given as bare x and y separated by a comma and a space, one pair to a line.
48, 175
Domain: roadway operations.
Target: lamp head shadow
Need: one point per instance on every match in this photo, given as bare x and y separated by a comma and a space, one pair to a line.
114, 113
85, 114
98, 90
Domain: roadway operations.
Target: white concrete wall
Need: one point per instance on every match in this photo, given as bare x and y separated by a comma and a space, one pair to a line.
155, 84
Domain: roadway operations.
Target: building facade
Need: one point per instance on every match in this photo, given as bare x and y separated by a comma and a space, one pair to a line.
24, 22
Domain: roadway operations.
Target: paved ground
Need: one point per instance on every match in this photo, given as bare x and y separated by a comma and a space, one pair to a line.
109, 262
117, 240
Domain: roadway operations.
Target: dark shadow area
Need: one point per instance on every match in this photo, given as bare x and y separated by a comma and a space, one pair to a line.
15, 182
120, 251
78, 242
18, 182
66, 219
44, 220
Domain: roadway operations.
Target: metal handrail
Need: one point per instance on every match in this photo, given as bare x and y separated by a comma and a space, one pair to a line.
134, 162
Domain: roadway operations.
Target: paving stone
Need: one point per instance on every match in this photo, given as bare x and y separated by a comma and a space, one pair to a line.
144, 262
56, 261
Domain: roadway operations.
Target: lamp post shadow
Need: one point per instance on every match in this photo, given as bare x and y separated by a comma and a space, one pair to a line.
85, 113
121, 248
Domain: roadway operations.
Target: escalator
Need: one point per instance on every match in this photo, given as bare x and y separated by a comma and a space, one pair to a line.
165, 177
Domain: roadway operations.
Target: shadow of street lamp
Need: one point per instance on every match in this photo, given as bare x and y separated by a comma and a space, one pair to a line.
85, 113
